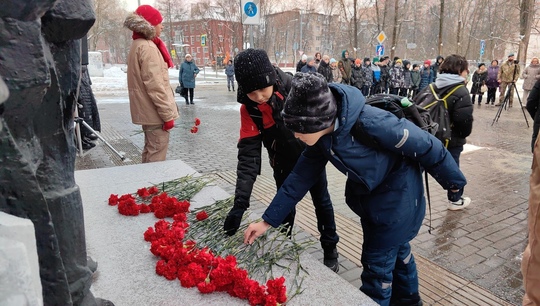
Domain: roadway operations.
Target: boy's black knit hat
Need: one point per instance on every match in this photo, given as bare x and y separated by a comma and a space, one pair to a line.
310, 106
253, 70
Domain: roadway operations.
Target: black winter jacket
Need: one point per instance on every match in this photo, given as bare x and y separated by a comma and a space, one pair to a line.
326, 71
89, 111
262, 124
533, 103
460, 109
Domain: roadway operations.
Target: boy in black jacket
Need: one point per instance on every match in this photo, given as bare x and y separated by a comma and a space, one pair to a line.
262, 89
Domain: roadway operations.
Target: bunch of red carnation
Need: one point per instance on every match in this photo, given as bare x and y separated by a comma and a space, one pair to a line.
183, 260
162, 205
201, 268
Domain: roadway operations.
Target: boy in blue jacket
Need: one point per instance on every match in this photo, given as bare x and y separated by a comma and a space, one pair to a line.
384, 186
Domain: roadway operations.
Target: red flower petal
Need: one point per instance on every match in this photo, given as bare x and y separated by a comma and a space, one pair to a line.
202, 215
197, 121
194, 130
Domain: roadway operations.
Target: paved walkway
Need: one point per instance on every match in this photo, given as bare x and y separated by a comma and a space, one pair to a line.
471, 257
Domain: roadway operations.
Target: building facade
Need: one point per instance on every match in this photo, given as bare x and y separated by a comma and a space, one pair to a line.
209, 41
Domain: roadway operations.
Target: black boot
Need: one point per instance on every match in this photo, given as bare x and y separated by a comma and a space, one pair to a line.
233, 88
479, 100
187, 102
192, 101
331, 259
473, 98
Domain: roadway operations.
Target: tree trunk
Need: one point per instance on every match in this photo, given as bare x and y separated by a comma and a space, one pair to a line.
355, 19
441, 20
394, 31
526, 12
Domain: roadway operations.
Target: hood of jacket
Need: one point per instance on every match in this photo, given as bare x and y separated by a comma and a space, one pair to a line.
139, 25
350, 110
447, 79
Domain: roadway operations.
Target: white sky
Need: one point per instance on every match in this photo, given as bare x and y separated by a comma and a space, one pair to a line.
132, 5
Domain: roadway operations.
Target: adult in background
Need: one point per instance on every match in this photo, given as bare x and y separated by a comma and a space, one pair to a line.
385, 74
229, 72
336, 73
345, 65
530, 264
188, 73
367, 76
397, 77
435, 67
533, 103
492, 82
426, 75
530, 75
325, 69
301, 63
318, 59
509, 73
415, 80
357, 78
151, 98
479, 79
309, 67
405, 90
376, 76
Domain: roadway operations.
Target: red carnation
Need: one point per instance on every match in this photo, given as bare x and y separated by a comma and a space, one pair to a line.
143, 193
197, 121
153, 190
113, 199
202, 215
194, 130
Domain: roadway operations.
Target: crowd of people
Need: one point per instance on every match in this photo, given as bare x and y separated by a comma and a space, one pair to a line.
373, 76
305, 121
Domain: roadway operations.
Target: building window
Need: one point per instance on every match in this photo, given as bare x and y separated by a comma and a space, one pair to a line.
192, 39
220, 38
205, 49
191, 28
198, 38
198, 49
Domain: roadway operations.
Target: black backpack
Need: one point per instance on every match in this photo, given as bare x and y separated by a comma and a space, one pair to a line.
437, 107
402, 108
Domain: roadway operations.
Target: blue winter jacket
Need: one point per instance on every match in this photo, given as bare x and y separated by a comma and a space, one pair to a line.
188, 70
384, 186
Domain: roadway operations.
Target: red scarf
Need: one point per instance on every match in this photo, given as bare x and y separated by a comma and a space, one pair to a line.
161, 46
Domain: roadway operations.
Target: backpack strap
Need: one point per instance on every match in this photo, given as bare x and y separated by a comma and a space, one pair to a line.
445, 97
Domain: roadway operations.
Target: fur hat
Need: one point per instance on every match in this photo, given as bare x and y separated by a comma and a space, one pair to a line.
310, 106
149, 13
253, 70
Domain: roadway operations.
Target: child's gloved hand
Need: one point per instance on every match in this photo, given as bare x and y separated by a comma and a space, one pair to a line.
233, 220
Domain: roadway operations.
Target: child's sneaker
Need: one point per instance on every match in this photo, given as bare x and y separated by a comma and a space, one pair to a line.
459, 205
331, 259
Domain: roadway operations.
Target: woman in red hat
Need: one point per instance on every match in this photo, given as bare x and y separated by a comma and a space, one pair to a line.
151, 98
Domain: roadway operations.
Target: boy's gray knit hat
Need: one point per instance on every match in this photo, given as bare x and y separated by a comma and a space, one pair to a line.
253, 70
310, 106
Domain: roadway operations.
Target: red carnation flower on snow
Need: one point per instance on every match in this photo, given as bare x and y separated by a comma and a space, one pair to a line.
153, 190
201, 215
197, 121
194, 130
113, 199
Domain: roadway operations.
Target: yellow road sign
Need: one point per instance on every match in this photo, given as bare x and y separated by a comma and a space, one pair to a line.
381, 37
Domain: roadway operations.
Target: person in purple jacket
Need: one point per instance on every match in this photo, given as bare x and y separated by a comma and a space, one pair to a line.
491, 82
384, 184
